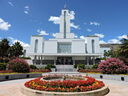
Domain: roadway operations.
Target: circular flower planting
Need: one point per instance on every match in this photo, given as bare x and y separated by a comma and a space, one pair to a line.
67, 84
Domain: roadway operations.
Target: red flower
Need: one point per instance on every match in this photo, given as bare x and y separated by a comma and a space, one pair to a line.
65, 86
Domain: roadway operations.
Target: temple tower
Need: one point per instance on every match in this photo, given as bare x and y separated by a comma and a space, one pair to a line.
65, 18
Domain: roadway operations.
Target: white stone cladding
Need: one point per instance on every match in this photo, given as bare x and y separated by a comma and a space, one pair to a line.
64, 46
40, 45
78, 46
50, 46
96, 44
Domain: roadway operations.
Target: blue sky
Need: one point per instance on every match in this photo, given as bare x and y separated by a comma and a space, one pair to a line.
19, 19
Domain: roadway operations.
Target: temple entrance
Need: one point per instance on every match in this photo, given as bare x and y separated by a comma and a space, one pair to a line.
64, 61
64, 64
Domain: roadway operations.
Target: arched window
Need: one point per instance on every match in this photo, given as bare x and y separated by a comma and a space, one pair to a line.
93, 46
36, 46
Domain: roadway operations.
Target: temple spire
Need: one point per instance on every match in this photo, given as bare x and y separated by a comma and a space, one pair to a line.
65, 6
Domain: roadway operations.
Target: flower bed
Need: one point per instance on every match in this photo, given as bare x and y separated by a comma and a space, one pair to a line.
40, 70
65, 86
89, 70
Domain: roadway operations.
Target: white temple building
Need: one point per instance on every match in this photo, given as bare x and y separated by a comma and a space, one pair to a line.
64, 49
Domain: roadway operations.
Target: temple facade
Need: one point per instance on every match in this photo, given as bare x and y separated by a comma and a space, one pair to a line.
64, 49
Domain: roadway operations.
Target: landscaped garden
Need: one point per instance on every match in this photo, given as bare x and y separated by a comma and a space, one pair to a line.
65, 86
12, 61
114, 62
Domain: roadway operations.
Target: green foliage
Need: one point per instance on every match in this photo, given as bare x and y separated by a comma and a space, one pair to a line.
111, 53
33, 67
4, 46
16, 50
94, 66
4, 59
3, 66
49, 66
19, 65
12, 51
123, 51
81, 66
75, 66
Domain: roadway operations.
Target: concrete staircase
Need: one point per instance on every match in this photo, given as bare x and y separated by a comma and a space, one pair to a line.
65, 68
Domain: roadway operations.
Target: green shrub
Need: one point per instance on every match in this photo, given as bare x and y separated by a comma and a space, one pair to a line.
95, 66
4, 59
33, 67
49, 66
81, 66
75, 66
41, 67
3, 66
19, 65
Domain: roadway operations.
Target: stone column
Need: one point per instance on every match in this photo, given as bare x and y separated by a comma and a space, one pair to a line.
55, 61
73, 62
87, 60
41, 60
93, 59
35, 60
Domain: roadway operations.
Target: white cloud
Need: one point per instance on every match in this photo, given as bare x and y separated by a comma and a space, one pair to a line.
26, 9
13, 41
76, 36
10, 3
72, 15
95, 23
89, 30
123, 37
56, 20
99, 35
114, 41
26, 12
83, 37
74, 26
42, 32
54, 34
4, 25
102, 42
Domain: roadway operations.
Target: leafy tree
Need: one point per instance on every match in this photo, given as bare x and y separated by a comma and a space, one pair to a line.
112, 53
4, 46
123, 52
16, 50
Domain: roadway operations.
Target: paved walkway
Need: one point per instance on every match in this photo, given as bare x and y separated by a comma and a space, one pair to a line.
12, 88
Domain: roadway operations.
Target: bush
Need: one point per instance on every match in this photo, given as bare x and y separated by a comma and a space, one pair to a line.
113, 66
3, 66
6, 71
75, 66
4, 60
81, 66
95, 66
19, 65
89, 70
49, 66
33, 67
